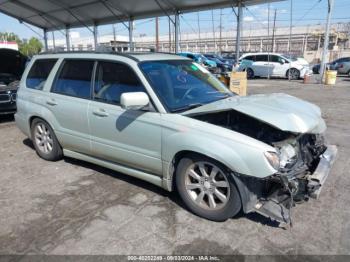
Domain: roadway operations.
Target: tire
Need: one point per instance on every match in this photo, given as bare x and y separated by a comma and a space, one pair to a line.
217, 196
250, 73
45, 141
294, 74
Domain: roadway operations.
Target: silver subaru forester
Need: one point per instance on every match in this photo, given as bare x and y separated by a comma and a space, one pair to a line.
165, 119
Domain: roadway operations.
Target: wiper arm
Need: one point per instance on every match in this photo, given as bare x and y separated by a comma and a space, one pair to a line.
187, 107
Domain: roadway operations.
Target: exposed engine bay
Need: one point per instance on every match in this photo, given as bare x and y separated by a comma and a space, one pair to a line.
304, 162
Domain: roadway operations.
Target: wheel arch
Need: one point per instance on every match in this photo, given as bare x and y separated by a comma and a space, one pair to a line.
171, 169
292, 68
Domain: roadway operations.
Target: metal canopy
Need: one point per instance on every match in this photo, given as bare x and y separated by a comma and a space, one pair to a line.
59, 14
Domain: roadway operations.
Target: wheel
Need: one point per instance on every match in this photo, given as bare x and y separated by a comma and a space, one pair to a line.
45, 142
207, 188
294, 74
250, 73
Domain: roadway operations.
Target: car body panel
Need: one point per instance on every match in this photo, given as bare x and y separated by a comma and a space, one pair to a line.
125, 135
282, 111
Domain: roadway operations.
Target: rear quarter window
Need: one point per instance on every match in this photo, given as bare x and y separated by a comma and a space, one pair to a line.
39, 73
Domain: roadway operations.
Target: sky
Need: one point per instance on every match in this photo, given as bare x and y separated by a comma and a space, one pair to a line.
304, 12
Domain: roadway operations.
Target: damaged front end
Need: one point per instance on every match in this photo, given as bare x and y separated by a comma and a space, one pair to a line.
304, 162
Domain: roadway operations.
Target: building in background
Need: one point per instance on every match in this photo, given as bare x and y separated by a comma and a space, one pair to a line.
9, 45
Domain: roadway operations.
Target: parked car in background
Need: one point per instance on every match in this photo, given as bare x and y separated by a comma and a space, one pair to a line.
224, 67
271, 64
228, 61
165, 119
343, 68
300, 60
332, 65
201, 59
12, 64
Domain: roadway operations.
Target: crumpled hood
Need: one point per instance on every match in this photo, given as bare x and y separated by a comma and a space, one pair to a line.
282, 111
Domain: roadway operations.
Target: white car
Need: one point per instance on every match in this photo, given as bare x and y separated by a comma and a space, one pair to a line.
271, 64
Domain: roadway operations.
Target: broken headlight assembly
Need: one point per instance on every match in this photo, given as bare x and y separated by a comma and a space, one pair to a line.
288, 155
273, 159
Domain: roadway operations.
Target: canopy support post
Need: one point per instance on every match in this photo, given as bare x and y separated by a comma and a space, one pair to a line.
131, 32
67, 39
177, 31
239, 27
95, 36
45, 40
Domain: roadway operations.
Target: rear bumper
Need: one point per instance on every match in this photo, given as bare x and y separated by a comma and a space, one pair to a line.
319, 177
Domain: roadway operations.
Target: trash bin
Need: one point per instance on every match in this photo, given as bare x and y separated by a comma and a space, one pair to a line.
331, 77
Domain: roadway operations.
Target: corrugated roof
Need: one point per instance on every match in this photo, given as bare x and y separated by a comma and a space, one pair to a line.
59, 14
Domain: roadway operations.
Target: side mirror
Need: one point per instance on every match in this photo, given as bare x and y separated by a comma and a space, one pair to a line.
134, 100
283, 61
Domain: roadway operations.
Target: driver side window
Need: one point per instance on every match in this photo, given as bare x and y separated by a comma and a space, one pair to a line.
112, 80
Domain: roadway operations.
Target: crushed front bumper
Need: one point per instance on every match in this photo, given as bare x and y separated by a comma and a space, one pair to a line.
277, 205
318, 178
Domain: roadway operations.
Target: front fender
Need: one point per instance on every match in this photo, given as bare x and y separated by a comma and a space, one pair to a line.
238, 157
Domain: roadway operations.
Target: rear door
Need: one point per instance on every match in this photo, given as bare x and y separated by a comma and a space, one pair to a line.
127, 137
261, 66
68, 101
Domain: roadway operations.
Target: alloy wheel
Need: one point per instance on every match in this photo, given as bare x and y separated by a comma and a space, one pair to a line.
43, 138
207, 185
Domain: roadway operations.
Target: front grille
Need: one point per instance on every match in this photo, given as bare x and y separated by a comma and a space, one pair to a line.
5, 98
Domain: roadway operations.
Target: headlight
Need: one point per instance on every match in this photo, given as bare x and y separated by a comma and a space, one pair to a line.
273, 159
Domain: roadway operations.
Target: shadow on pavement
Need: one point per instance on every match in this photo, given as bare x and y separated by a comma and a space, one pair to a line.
173, 196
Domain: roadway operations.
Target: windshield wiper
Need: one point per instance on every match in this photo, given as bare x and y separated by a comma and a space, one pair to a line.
187, 107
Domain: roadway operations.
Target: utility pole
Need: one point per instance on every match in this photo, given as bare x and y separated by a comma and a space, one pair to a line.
199, 33
239, 29
212, 22
273, 31
157, 35
326, 40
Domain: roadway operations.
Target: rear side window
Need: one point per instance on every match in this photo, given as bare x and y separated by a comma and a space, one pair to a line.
112, 80
261, 58
74, 79
39, 72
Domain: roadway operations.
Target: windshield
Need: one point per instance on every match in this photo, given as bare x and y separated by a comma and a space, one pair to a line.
182, 85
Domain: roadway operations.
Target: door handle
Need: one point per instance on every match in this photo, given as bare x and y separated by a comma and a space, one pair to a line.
51, 102
100, 112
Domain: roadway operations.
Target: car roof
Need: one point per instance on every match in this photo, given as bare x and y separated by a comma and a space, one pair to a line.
136, 56
260, 53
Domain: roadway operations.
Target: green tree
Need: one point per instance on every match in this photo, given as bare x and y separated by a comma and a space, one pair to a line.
31, 47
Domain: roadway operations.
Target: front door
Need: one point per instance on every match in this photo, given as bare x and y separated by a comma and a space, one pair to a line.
127, 137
